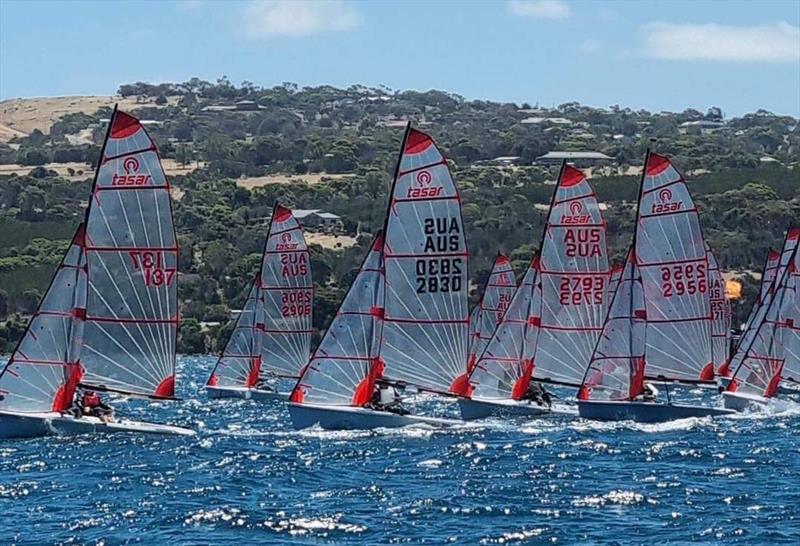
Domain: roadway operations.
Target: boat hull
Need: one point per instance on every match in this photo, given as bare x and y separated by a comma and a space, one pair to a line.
476, 408
644, 412
33, 425
355, 418
246, 394
741, 401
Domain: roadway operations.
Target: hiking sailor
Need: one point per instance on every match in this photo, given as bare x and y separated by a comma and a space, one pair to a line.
387, 398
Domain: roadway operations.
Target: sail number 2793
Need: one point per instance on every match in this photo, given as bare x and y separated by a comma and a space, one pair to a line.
151, 264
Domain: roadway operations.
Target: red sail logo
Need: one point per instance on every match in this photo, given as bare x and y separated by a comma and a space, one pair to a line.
423, 188
286, 242
132, 177
666, 204
576, 215
502, 279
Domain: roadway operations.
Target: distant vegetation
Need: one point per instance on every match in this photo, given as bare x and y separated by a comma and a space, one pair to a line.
743, 173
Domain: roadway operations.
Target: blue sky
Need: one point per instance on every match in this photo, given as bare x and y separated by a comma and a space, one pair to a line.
740, 56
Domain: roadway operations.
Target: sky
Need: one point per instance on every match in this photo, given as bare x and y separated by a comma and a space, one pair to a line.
740, 56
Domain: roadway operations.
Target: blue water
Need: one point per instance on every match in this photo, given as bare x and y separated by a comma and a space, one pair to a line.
248, 478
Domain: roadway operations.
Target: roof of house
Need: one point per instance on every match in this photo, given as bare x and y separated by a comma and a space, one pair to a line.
574, 155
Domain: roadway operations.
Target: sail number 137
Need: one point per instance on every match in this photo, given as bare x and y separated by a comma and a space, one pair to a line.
152, 266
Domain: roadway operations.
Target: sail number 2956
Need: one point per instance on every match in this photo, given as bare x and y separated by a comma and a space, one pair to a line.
681, 279
151, 263
438, 275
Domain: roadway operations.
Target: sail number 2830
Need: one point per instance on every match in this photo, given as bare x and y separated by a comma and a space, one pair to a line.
151, 263
438, 275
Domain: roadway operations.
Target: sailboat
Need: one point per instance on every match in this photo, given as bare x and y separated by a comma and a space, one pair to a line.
109, 319
770, 349
271, 339
721, 316
497, 293
616, 275
563, 312
409, 315
660, 319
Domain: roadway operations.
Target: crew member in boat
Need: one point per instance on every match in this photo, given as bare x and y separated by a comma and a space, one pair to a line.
649, 393
90, 404
263, 384
387, 398
537, 394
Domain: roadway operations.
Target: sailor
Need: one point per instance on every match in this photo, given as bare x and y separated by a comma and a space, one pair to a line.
263, 385
649, 393
537, 394
92, 405
387, 398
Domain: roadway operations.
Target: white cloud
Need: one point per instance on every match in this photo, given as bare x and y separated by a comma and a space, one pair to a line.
779, 42
540, 9
293, 18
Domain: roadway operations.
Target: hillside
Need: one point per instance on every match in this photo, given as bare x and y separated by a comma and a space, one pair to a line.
231, 151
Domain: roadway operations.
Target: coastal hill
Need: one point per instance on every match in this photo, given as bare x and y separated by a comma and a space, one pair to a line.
231, 151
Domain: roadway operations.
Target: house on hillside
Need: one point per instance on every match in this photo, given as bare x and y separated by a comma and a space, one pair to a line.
578, 158
316, 219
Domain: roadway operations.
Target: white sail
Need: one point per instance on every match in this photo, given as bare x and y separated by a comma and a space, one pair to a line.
132, 256
789, 318
616, 275
497, 294
240, 361
760, 358
767, 277
721, 312
616, 367
344, 367
671, 259
426, 324
287, 292
575, 276
44, 369
504, 369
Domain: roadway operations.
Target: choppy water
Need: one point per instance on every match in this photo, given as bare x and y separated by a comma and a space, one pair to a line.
248, 478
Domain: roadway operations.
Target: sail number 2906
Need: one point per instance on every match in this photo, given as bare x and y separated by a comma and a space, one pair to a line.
152, 266
438, 275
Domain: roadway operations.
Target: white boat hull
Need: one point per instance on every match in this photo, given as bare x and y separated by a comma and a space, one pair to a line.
741, 401
355, 418
477, 408
246, 394
32, 425
644, 412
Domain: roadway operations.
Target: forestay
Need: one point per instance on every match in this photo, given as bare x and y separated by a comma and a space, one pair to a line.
497, 294
425, 330
505, 367
671, 259
44, 369
575, 277
287, 291
760, 358
721, 312
344, 367
132, 256
616, 367
240, 361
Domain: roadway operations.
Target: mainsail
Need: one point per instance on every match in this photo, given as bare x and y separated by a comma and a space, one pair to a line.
574, 275
616, 367
767, 277
497, 294
761, 356
240, 361
790, 320
721, 311
616, 275
287, 292
131, 320
505, 367
344, 367
671, 258
44, 369
426, 323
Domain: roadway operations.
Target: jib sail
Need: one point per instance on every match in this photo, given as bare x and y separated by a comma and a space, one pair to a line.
345, 366
132, 257
44, 369
721, 311
426, 323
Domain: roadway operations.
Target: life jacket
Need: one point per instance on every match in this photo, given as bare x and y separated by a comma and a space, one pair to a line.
91, 400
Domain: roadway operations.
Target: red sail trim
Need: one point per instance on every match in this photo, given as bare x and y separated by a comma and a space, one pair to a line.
523, 382
656, 164
132, 321
117, 188
637, 377
131, 249
282, 231
694, 319
707, 373
124, 125
34, 362
255, 370
643, 216
281, 288
571, 176
572, 328
581, 197
397, 200
166, 389
213, 380
417, 142
673, 262
461, 386
427, 255
278, 331
281, 214
426, 321
575, 273
66, 392
107, 158
774, 382
667, 185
